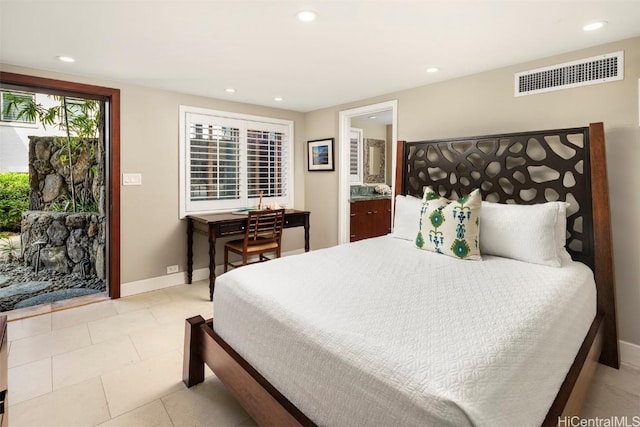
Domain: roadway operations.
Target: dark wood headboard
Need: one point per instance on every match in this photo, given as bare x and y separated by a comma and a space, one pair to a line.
528, 168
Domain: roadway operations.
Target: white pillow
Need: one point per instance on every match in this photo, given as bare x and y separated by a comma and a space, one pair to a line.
406, 218
561, 230
531, 233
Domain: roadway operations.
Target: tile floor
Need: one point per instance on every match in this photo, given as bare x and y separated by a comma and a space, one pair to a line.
114, 363
119, 362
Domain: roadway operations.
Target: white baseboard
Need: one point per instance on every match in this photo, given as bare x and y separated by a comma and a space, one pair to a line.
630, 353
161, 282
201, 274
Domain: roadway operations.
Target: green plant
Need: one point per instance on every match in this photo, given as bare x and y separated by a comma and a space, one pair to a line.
89, 207
8, 247
78, 118
60, 205
64, 205
14, 199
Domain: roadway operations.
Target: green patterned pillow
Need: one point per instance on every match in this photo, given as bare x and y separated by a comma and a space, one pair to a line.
450, 227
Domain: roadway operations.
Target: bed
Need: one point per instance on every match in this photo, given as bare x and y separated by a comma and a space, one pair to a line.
289, 363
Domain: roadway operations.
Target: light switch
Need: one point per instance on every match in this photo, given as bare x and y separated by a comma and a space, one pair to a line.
131, 179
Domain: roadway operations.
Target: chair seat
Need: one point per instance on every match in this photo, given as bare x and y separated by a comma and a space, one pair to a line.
238, 246
263, 235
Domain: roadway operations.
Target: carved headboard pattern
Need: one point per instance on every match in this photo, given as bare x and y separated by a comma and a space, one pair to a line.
523, 168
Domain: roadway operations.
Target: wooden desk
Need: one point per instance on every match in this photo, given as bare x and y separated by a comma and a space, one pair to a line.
228, 224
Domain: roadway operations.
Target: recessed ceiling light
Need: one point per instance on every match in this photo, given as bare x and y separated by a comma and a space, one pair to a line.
230, 90
433, 70
306, 16
65, 59
372, 117
277, 98
594, 26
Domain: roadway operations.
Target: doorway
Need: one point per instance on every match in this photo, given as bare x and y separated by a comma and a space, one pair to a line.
111, 99
390, 110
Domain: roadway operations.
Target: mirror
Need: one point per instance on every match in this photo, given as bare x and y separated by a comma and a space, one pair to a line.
374, 161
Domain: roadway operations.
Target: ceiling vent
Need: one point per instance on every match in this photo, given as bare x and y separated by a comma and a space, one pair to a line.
588, 71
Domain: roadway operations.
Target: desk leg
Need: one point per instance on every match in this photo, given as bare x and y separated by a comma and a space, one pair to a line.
189, 250
306, 233
212, 261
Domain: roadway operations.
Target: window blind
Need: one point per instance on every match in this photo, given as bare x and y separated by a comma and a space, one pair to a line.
214, 157
9, 112
355, 157
266, 163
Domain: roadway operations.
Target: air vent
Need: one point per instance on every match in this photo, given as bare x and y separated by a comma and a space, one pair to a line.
589, 71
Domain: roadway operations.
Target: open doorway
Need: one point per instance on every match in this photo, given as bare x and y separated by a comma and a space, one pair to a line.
58, 142
108, 101
365, 168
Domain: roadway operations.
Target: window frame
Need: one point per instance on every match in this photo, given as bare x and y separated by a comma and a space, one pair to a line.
225, 117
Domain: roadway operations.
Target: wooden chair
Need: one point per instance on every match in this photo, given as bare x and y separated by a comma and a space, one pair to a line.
262, 235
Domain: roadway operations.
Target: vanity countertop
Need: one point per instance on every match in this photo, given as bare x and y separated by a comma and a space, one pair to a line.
365, 197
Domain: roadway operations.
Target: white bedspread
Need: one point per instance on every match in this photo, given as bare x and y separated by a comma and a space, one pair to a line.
378, 333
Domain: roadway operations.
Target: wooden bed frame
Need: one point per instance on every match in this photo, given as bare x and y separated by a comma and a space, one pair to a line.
510, 168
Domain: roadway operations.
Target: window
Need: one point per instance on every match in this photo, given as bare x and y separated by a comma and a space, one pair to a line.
228, 161
355, 159
75, 107
13, 103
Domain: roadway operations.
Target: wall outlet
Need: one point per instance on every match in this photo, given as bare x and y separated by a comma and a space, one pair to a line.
173, 269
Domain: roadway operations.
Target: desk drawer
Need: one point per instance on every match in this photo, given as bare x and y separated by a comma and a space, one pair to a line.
231, 228
295, 220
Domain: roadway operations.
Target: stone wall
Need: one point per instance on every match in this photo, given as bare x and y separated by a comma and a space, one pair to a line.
68, 242
50, 175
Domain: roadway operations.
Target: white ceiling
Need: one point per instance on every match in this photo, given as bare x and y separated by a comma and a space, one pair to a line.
354, 50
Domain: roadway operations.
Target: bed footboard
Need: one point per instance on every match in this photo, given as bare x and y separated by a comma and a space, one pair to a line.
193, 363
266, 405
573, 392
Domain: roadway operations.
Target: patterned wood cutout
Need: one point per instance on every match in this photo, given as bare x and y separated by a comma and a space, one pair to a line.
523, 168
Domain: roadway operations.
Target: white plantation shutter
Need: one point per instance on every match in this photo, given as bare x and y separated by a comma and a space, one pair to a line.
213, 162
228, 162
355, 158
267, 161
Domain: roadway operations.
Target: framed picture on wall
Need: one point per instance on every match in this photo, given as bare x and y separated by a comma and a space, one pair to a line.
320, 155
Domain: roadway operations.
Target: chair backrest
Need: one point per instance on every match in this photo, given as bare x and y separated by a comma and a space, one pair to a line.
264, 226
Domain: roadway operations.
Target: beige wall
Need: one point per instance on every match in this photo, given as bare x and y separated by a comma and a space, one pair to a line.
484, 104
370, 129
152, 236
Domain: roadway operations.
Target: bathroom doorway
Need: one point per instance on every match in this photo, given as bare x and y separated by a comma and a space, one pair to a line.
374, 117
